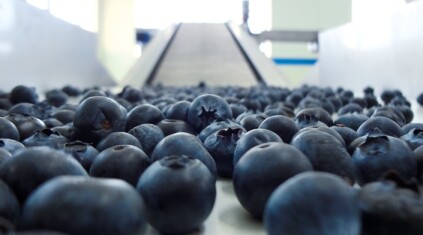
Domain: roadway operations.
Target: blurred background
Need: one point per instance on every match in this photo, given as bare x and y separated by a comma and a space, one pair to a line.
350, 43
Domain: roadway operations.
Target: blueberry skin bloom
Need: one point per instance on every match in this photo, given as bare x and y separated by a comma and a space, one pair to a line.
262, 169
97, 117
313, 203
179, 193
380, 154
84, 206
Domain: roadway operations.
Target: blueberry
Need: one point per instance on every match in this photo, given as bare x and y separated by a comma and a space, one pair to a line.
148, 135
64, 116
407, 128
179, 193
313, 203
4, 155
71, 90
252, 121
319, 113
56, 97
92, 93
9, 205
352, 121
52, 122
390, 112
254, 138
82, 205
391, 206
26, 124
420, 99
414, 138
348, 134
131, 94
144, 113
82, 152
29, 168
304, 120
178, 110
283, 126
184, 144
350, 108
386, 125
172, 126
118, 138
207, 108
23, 94
326, 153
46, 137
218, 125
11, 146
96, 117
262, 169
221, 146
379, 154
124, 162
8, 129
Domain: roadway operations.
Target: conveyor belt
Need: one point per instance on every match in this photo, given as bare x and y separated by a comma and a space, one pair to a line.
203, 52
190, 53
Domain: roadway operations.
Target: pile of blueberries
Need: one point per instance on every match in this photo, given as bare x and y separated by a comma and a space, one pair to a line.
307, 160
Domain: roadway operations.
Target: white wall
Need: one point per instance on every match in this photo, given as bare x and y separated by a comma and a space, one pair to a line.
387, 55
39, 50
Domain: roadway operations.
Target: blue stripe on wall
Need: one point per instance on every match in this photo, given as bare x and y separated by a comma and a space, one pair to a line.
294, 61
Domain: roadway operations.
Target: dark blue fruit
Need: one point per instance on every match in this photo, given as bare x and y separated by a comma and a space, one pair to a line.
348, 134
184, 144
125, 162
414, 125
352, 121
221, 146
326, 153
46, 137
149, 135
216, 126
25, 124
56, 97
262, 169
23, 94
380, 154
172, 126
319, 113
12, 146
386, 125
84, 153
29, 168
118, 138
414, 138
313, 203
305, 120
4, 155
178, 110
8, 129
9, 205
391, 206
179, 193
254, 138
96, 117
85, 206
252, 121
144, 113
283, 126
207, 108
